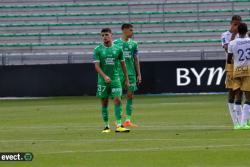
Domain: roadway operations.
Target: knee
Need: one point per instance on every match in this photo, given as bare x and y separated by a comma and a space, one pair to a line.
231, 96
238, 95
130, 96
105, 103
117, 101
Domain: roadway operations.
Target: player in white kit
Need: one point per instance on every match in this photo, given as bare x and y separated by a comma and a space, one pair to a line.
239, 54
233, 105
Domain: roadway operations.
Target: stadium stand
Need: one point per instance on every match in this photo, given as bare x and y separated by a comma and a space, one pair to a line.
66, 31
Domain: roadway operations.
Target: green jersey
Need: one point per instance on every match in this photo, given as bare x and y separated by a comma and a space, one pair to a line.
110, 59
130, 50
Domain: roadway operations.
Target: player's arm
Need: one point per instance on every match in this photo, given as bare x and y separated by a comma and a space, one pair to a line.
138, 69
224, 42
124, 68
230, 54
137, 65
230, 58
98, 68
125, 71
225, 46
99, 71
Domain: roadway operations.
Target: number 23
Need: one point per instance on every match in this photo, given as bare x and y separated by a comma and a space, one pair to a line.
241, 52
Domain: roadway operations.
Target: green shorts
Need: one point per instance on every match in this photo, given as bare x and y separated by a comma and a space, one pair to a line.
132, 83
113, 89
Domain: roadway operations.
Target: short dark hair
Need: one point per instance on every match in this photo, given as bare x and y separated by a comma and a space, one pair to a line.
126, 25
236, 18
106, 30
242, 28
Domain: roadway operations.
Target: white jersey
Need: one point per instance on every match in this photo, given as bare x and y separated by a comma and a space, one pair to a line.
226, 38
240, 48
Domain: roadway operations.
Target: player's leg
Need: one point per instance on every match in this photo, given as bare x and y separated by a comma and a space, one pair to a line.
129, 105
237, 105
116, 93
231, 97
130, 98
245, 111
122, 82
129, 109
102, 93
246, 107
105, 115
118, 115
118, 110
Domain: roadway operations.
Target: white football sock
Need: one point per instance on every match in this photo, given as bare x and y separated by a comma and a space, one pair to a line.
232, 113
245, 114
238, 111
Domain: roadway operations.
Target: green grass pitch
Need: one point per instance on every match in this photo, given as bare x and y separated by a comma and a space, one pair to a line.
174, 131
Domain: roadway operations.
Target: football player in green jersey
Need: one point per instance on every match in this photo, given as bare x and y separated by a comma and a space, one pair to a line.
107, 58
130, 51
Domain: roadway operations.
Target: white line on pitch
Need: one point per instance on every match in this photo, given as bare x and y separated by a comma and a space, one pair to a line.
168, 148
112, 140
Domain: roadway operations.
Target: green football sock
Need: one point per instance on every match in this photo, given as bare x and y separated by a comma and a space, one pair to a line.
118, 115
105, 116
129, 109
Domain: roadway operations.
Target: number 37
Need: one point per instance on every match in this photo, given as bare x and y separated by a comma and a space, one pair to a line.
101, 88
241, 52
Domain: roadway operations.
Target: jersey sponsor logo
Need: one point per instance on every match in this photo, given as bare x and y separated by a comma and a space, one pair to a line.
113, 90
127, 54
241, 69
110, 61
